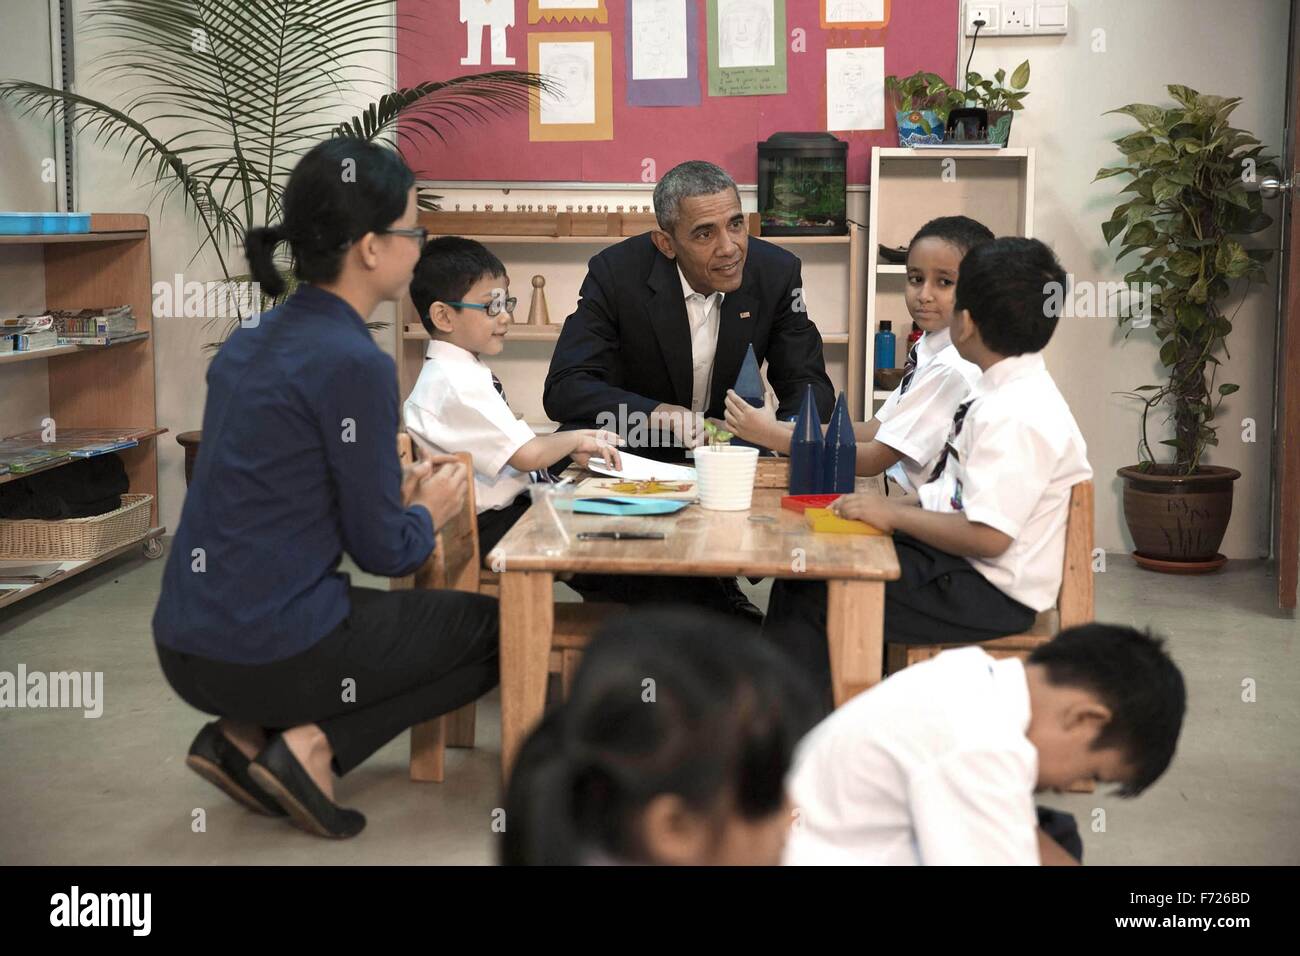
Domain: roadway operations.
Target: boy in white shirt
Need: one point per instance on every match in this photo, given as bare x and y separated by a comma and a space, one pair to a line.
981, 549
907, 435
462, 295
939, 763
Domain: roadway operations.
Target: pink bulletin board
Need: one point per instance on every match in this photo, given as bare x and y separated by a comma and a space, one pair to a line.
920, 34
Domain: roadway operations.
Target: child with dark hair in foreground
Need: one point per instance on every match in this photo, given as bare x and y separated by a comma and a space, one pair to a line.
672, 748
939, 763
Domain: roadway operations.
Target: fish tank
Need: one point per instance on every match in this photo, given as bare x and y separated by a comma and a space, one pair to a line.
802, 185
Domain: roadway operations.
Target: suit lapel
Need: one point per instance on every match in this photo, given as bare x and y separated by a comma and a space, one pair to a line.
667, 311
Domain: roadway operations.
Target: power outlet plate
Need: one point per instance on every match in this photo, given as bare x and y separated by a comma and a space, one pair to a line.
990, 13
1017, 18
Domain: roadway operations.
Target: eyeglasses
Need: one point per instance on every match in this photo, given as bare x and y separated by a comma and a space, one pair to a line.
419, 233
493, 308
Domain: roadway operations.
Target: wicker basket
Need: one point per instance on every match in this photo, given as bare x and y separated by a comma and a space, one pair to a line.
73, 539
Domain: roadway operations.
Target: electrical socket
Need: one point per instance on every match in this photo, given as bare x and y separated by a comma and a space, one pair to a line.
1017, 18
990, 13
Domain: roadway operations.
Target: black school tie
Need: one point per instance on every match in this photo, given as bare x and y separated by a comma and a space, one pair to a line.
909, 368
948, 449
540, 475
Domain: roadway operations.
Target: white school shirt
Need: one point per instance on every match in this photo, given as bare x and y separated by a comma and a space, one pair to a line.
1017, 457
704, 314
916, 424
454, 407
929, 767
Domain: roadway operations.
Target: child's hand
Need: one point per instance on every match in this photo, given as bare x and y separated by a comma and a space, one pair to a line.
598, 443
873, 509
756, 425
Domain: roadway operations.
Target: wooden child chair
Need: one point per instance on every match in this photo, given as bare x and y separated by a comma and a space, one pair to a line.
1074, 602
455, 563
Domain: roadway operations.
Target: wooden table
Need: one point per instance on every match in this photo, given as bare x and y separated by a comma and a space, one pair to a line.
698, 543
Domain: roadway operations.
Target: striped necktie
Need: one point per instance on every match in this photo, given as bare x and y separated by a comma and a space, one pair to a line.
541, 475
948, 448
909, 368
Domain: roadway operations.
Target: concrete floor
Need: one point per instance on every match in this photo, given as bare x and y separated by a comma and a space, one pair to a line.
114, 790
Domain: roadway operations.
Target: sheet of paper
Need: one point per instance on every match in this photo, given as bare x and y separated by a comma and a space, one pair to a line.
659, 40
572, 68
855, 88
745, 33
855, 11
636, 468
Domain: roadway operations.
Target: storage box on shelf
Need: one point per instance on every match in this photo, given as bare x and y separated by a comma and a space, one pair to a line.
909, 188
100, 388
588, 233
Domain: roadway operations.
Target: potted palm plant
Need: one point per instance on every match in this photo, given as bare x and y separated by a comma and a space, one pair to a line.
1188, 171
922, 102
249, 87
1000, 98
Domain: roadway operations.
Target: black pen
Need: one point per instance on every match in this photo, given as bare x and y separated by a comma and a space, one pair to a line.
620, 536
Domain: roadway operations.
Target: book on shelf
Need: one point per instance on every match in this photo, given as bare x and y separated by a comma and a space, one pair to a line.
102, 339
118, 320
32, 341
102, 448
13, 325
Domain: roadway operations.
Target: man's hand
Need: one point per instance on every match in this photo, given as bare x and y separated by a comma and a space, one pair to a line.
412, 475
602, 444
442, 492
680, 422
875, 510
757, 425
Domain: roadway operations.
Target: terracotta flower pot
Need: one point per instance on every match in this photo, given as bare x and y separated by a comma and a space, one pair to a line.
1179, 519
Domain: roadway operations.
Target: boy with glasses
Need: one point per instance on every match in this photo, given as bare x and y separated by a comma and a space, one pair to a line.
462, 294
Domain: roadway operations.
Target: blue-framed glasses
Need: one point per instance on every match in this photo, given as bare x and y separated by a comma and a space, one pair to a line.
493, 308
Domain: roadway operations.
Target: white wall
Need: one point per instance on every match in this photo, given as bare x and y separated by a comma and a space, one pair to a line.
1149, 44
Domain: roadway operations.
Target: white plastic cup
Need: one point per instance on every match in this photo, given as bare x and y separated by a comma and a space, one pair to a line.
726, 477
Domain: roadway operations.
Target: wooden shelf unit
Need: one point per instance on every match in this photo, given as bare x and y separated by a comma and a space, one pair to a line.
909, 187
110, 387
409, 331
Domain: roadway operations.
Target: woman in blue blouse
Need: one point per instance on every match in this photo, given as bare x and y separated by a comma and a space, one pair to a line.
309, 675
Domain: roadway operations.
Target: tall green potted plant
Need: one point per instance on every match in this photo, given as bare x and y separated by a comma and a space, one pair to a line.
1188, 171
249, 86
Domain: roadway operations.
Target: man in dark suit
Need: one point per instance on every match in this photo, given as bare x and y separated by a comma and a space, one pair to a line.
664, 319
661, 329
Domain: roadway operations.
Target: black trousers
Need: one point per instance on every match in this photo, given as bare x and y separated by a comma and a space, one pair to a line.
411, 656
493, 524
1062, 828
938, 599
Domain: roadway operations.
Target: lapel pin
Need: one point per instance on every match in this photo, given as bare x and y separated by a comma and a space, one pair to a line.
744, 315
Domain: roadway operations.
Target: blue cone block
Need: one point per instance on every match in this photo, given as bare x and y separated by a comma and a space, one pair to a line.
806, 448
839, 458
749, 386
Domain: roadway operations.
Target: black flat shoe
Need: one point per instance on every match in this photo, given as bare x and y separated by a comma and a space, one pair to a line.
280, 774
741, 606
214, 758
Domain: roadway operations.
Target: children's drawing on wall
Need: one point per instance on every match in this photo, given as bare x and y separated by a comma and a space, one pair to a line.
558, 11
855, 11
745, 33
495, 15
659, 40
571, 70
855, 88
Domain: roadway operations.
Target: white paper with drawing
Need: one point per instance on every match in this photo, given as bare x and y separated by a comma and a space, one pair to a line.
493, 16
855, 11
571, 67
855, 88
659, 40
745, 33
568, 4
